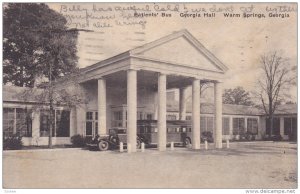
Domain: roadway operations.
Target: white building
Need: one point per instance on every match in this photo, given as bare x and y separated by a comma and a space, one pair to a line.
132, 86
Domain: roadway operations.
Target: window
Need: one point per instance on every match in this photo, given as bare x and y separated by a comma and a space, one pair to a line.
149, 116
210, 124
290, 125
293, 135
118, 115
202, 123
89, 115
225, 126
294, 125
44, 123
252, 125
206, 123
24, 122
62, 128
96, 127
89, 128
276, 126
171, 117
140, 115
141, 129
287, 126
188, 118
91, 124
238, 126
8, 121
17, 120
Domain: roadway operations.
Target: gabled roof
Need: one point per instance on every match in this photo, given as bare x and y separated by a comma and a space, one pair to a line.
187, 35
134, 52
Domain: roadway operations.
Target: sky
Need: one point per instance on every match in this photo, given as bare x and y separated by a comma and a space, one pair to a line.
236, 41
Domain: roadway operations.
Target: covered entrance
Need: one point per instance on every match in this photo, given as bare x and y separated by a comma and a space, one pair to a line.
139, 79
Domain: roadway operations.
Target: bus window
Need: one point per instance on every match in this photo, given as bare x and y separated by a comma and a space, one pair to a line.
189, 129
171, 130
148, 129
177, 129
183, 129
121, 131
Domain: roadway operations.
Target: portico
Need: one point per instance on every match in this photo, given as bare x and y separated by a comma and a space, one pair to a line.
175, 61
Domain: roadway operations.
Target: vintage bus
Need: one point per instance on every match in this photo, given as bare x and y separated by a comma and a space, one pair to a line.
178, 131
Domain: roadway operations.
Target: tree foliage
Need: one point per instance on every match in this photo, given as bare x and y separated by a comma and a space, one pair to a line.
237, 96
34, 39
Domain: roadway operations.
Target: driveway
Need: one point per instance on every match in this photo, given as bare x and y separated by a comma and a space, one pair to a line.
243, 165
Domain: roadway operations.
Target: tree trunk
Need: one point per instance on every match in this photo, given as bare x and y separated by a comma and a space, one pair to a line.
270, 118
271, 124
51, 123
51, 106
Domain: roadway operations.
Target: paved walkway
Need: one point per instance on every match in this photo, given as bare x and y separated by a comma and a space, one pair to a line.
244, 165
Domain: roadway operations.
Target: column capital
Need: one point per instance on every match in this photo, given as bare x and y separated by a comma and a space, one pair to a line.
196, 78
218, 81
100, 78
162, 73
128, 70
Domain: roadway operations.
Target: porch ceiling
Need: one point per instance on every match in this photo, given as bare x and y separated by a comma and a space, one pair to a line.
147, 79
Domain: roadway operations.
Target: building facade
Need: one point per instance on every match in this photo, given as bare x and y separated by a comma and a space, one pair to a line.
133, 86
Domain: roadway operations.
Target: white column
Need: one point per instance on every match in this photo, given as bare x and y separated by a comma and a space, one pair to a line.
196, 114
72, 122
230, 126
15, 121
162, 109
80, 119
218, 114
124, 109
182, 104
246, 124
36, 123
131, 108
101, 106
282, 126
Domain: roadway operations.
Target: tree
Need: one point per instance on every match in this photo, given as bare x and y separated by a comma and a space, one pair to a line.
32, 41
276, 77
37, 43
237, 96
55, 95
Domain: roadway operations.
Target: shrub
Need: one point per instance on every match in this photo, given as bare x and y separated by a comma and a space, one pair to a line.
273, 138
249, 136
13, 142
207, 136
276, 137
78, 141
